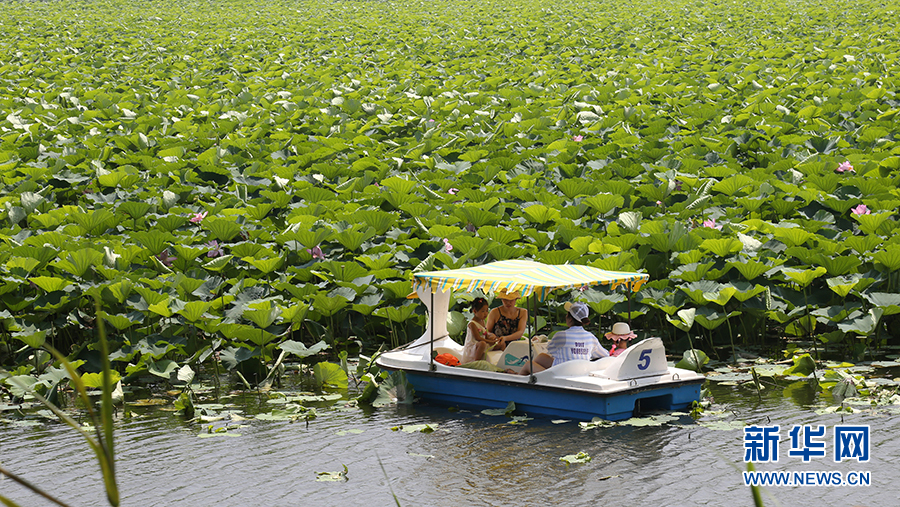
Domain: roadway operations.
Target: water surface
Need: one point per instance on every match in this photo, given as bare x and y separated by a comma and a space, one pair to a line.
471, 459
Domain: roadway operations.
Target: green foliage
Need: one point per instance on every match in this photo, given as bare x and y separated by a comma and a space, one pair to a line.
320, 181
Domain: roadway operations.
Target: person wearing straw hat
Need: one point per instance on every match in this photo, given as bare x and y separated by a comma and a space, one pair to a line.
569, 344
620, 335
507, 321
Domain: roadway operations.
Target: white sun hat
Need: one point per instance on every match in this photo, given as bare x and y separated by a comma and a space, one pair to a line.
620, 331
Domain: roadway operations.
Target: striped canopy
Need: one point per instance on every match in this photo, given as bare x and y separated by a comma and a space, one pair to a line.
525, 277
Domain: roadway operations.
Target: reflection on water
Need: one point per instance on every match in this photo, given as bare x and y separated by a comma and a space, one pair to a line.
472, 459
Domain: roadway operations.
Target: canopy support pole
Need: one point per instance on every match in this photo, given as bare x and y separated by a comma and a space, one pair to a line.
628, 286
431, 366
531, 332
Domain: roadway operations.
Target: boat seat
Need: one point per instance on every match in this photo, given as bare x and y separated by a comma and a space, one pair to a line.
515, 357
574, 368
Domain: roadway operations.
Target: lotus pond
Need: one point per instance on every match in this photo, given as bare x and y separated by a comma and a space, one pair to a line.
253, 448
229, 186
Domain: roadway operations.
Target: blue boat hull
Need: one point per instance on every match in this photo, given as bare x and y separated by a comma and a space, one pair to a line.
549, 400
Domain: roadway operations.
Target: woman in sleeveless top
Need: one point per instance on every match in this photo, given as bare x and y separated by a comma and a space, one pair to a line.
507, 321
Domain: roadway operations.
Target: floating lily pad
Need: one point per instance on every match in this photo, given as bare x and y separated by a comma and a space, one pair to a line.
332, 476
149, 402
581, 457
653, 420
416, 428
730, 377
723, 425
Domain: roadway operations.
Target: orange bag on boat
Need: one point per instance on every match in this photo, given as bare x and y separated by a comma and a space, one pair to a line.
448, 359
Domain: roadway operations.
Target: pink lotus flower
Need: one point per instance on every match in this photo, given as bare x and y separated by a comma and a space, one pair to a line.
577, 139
453, 191
861, 210
214, 250
711, 223
447, 246
845, 167
165, 258
196, 219
659, 203
316, 252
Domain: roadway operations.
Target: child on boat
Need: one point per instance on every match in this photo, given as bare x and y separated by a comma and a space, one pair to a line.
478, 339
620, 335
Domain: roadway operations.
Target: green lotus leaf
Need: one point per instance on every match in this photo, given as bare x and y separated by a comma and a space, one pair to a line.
889, 258
723, 247
162, 368
871, 223
352, 240
33, 336
604, 203
22, 266
265, 265
218, 264
721, 296
242, 332
95, 380
502, 235
693, 272
154, 241
161, 308
746, 290
50, 283
864, 324
263, 313
396, 313
170, 222
134, 209
803, 366
96, 221
696, 290
122, 321
233, 356
476, 215
888, 302
839, 265
693, 359
541, 214
328, 305
630, 221
791, 236
78, 262
221, 229
330, 374
711, 319
194, 310
300, 350
803, 277
735, 184
685, 319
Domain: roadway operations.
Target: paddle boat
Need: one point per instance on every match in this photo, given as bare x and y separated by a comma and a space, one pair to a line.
614, 388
